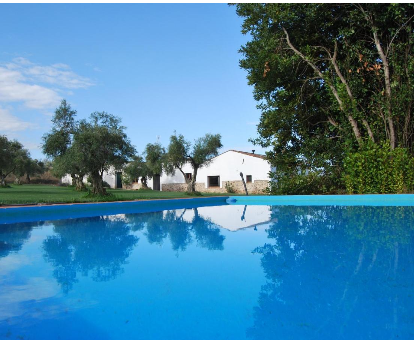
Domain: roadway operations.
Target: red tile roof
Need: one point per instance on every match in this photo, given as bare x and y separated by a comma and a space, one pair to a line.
250, 154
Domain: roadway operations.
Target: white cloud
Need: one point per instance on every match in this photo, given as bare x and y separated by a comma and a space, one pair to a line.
13, 89
12, 123
26, 82
58, 74
13, 296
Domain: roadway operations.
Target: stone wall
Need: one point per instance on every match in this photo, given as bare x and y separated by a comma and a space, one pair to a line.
133, 186
174, 187
257, 187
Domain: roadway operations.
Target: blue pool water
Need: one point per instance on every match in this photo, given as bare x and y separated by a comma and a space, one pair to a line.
208, 271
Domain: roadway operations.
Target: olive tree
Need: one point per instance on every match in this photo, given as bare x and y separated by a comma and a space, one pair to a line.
137, 168
155, 156
181, 152
26, 166
100, 144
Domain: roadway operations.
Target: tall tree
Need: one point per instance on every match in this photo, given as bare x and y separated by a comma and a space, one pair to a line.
329, 78
57, 145
201, 154
155, 158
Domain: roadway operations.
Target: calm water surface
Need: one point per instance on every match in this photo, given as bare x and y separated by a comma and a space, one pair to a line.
225, 272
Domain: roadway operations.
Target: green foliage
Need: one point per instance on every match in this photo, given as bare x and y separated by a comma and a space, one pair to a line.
58, 145
155, 158
135, 169
201, 154
27, 166
230, 188
312, 183
205, 149
100, 144
87, 146
57, 142
322, 84
178, 151
377, 169
13, 158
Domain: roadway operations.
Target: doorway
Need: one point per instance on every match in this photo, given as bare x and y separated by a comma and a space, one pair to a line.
118, 182
156, 182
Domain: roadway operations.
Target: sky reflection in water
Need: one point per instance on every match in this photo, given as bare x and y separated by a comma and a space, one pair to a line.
226, 272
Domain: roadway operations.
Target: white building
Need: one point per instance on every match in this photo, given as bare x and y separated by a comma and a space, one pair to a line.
222, 173
223, 169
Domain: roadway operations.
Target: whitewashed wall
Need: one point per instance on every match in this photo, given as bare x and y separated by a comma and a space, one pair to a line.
231, 217
228, 166
108, 177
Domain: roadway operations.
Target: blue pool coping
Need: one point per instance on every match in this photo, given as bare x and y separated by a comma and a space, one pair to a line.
324, 200
10, 215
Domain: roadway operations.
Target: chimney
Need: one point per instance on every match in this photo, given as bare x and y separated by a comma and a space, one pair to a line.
253, 151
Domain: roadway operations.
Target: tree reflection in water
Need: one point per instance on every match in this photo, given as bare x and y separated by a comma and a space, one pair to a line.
96, 246
13, 236
100, 246
337, 273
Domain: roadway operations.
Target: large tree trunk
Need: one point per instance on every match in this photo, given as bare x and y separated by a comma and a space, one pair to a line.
191, 184
80, 186
97, 184
186, 179
144, 183
387, 81
77, 181
3, 180
28, 178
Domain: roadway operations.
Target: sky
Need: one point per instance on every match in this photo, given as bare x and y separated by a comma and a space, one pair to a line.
159, 67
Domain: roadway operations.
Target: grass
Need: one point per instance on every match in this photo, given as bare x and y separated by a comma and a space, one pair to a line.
36, 193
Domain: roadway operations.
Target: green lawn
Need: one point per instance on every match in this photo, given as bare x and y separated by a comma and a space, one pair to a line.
34, 193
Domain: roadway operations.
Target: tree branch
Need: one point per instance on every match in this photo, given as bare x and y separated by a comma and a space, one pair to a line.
351, 119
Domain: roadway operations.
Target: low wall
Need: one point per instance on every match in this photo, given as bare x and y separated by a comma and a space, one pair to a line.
257, 187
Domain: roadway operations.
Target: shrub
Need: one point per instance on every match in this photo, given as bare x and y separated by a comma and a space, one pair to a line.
311, 183
230, 188
378, 169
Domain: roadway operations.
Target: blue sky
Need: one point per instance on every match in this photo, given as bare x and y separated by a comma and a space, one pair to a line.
160, 67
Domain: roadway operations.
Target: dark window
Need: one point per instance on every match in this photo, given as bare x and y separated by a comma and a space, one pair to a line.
188, 175
213, 181
248, 178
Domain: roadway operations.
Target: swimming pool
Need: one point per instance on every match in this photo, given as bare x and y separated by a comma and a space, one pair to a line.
209, 269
